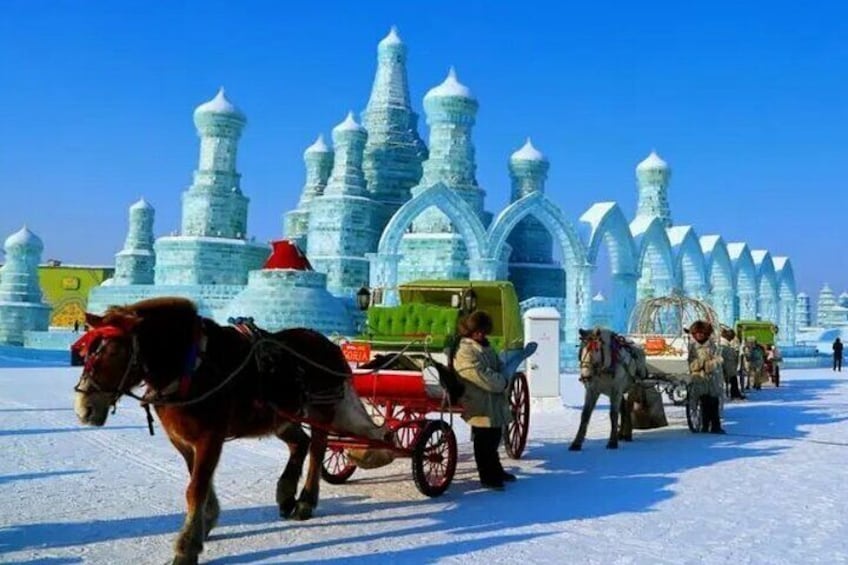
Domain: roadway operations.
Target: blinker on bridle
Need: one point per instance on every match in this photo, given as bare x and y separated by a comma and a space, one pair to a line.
96, 339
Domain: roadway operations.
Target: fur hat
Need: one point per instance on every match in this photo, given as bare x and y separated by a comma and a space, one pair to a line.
476, 321
702, 326
728, 334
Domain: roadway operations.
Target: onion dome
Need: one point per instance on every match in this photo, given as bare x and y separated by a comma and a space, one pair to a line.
320, 146
450, 88
391, 40
349, 124
652, 162
24, 238
653, 169
218, 112
528, 153
142, 204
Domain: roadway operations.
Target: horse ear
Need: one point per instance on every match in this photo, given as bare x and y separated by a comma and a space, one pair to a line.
126, 321
93, 320
597, 332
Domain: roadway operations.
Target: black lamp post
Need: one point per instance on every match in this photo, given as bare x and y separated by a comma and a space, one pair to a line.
469, 300
363, 298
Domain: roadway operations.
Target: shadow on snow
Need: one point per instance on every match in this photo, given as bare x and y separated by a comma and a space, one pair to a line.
561, 487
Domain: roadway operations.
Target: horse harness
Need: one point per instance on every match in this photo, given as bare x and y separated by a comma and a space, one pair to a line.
97, 338
263, 350
595, 343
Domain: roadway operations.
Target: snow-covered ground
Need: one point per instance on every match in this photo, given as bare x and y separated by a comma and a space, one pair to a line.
769, 492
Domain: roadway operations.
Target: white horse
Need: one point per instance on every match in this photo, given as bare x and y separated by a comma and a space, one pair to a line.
610, 365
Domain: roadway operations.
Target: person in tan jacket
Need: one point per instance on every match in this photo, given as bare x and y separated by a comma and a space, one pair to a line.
484, 402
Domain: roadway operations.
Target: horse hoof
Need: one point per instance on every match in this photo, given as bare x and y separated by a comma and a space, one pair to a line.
612, 445
184, 560
287, 507
627, 438
574, 447
302, 511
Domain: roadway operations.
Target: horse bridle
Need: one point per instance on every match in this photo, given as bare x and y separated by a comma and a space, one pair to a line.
86, 383
588, 345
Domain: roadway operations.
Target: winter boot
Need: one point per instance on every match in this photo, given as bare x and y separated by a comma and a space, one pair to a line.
704, 401
715, 416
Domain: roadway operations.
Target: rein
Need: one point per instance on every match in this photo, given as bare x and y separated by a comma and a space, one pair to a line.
153, 397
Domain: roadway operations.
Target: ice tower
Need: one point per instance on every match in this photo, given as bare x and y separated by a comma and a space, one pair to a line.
394, 151
341, 226
433, 250
135, 262
825, 307
212, 246
803, 310
21, 305
318, 159
653, 175
532, 269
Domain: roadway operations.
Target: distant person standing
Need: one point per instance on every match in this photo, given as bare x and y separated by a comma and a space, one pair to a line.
837, 355
76, 326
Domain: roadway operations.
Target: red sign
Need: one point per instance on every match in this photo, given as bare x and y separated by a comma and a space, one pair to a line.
655, 345
357, 352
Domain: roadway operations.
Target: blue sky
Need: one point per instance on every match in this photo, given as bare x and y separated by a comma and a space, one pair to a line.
747, 102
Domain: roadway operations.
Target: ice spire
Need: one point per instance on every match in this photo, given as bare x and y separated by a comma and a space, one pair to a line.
214, 206
135, 263
394, 151
451, 112
528, 170
318, 160
653, 176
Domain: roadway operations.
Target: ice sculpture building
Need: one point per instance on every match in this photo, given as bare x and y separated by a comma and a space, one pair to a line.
380, 207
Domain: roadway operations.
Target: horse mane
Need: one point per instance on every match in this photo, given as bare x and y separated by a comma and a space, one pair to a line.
166, 329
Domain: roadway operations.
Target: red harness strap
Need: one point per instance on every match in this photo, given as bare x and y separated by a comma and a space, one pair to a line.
82, 345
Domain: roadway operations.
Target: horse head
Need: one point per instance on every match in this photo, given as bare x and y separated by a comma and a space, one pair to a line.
108, 352
591, 353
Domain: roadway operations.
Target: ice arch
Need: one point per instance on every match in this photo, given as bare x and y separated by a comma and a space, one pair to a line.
384, 264
719, 271
577, 283
767, 298
655, 265
604, 223
745, 274
786, 314
689, 267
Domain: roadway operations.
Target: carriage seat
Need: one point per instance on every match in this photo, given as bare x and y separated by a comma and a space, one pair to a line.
410, 322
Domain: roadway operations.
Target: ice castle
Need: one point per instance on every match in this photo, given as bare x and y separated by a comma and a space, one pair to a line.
380, 207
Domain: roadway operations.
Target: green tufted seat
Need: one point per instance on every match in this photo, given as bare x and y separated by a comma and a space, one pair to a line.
409, 322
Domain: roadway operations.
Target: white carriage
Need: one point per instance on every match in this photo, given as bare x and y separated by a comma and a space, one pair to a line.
659, 326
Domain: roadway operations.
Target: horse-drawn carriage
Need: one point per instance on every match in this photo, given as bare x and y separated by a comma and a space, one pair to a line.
659, 326
764, 335
402, 370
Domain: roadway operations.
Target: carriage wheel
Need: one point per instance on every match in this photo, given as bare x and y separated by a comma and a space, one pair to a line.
515, 434
693, 412
410, 425
677, 393
337, 467
434, 458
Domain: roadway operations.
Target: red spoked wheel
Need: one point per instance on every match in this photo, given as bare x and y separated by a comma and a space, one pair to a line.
515, 433
434, 458
337, 467
409, 426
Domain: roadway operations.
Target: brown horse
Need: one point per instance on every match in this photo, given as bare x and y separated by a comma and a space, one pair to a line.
208, 384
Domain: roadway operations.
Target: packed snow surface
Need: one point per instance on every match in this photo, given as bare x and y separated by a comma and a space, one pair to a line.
771, 491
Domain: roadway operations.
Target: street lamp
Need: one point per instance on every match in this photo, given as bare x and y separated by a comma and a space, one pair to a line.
363, 298
469, 300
